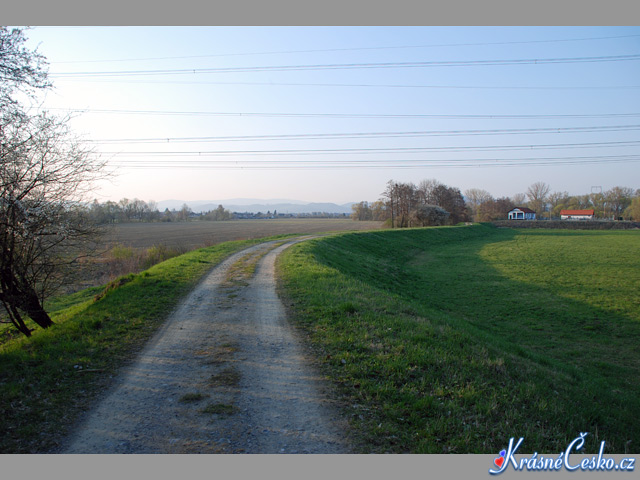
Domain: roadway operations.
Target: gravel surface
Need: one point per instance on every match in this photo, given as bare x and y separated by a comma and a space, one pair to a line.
225, 374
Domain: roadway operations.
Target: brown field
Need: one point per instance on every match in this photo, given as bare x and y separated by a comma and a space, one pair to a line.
133, 247
196, 234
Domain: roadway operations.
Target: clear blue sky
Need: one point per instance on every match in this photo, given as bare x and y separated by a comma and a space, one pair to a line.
430, 89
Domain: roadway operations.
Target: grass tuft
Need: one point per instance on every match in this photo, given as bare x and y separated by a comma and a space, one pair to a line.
228, 377
192, 397
113, 285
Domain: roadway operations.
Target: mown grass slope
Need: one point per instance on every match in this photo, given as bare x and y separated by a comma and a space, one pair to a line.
455, 339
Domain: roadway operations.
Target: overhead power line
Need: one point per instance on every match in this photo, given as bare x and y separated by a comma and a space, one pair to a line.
351, 66
367, 135
350, 49
356, 85
350, 115
377, 164
345, 151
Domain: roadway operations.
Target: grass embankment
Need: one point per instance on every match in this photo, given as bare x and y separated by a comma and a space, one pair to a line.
48, 379
455, 339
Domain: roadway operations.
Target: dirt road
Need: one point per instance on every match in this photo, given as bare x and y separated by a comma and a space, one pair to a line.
226, 374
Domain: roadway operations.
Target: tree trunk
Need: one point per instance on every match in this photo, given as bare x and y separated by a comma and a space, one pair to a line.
16, 319
22, 297
36, 312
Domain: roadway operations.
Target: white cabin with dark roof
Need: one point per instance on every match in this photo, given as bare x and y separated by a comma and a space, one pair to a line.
521, 213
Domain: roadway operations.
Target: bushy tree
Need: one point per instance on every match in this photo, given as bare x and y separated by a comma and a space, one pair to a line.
450, 199
402, 200
558, 202
430, 215
219, 214
361, 211
633, 211
124, 210
579, 202
618, 199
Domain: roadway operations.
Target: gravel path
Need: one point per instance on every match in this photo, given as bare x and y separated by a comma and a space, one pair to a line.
225, 374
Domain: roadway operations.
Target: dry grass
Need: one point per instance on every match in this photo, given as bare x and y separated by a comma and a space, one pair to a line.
134, 247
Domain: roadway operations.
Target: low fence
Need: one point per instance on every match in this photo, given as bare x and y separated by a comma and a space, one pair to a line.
569, 224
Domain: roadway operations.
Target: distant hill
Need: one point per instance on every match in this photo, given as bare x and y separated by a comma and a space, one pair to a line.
257, 205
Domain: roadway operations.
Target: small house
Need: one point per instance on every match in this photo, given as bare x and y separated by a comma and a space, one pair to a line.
576, 214
521, 213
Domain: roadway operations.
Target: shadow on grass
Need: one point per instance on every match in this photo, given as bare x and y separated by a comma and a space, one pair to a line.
451, 354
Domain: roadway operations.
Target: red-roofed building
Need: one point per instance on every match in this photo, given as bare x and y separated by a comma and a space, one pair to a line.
576, 214
521, 213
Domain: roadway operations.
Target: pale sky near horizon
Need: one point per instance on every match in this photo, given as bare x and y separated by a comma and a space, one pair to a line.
330, 114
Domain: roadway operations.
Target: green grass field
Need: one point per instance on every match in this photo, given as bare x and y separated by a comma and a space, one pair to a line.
455, 339
438, 340
47, 380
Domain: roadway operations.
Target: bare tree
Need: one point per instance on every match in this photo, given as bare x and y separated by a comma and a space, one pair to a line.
389, 197
404, 199
537, 194
406, 203
379, 211
494, 209
361, 211
518, 199
138, 209
425, 192
557, 202
401, 199
21, 70
184, 213
475, 197
44, 173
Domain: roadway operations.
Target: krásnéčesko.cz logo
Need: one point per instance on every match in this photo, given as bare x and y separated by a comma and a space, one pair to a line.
564, 460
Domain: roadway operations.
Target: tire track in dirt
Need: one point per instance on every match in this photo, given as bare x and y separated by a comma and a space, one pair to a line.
225, 374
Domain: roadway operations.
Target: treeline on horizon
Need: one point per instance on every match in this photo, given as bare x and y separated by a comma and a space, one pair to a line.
136, 210
431, 202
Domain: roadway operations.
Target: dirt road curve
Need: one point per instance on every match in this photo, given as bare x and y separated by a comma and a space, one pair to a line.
226, 374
